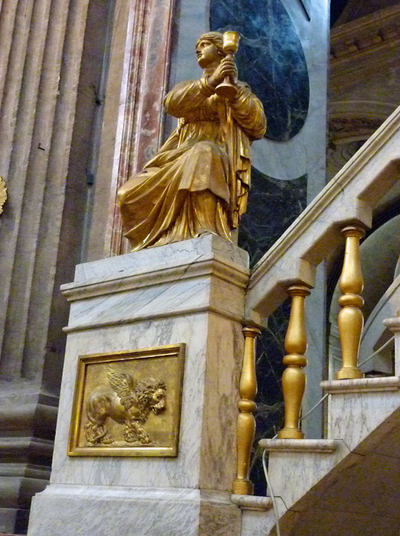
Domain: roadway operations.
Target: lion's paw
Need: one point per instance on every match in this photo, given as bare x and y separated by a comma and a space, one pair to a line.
107, 439
144, 438
130, 436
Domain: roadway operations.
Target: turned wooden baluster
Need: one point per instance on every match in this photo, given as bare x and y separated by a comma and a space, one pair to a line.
293, 379
351, 320
246, 424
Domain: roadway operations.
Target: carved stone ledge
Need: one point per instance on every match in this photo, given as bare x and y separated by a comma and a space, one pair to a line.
321, 446
362, 385
349, 127
251, 502
380, 29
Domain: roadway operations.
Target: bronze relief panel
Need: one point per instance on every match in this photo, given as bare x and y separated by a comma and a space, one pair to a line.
128, 403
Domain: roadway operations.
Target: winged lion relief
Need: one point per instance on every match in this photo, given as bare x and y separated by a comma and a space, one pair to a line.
126, 402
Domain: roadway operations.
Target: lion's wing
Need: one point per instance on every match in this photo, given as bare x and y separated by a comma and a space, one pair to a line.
121, 383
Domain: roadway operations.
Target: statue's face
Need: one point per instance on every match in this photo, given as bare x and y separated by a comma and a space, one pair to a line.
207, 54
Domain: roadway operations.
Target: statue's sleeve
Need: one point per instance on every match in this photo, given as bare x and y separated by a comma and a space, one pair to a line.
248, 112
185, 97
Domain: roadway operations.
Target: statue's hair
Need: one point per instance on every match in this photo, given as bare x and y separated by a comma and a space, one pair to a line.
216, 38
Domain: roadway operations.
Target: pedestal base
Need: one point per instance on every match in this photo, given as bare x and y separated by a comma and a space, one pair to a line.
106, 511
189, 293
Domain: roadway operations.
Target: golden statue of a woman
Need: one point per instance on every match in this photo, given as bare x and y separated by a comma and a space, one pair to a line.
199, 180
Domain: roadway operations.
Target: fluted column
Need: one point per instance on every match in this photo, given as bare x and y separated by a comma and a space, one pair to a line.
293, 379
40, 230
351, 320
246, 423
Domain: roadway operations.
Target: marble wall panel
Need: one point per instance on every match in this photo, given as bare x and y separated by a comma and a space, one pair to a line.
270, 59
305, 154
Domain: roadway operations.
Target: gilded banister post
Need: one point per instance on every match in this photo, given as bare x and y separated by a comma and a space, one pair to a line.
246, 423
351, 320
293, 379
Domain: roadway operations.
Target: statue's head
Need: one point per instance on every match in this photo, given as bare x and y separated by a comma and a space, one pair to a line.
209, 49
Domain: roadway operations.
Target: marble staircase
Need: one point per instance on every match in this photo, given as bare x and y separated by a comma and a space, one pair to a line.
348, 483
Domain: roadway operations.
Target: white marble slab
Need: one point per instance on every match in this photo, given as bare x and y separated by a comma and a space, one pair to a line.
113, 511
206, 246
257, 523
158, 300
257, 517
295, 472
352, 417
206, 273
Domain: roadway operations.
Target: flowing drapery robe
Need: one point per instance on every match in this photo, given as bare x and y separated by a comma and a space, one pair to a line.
199, 180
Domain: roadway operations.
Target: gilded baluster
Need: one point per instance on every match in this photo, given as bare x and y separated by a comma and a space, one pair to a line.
351, 320
246, 423
293, 379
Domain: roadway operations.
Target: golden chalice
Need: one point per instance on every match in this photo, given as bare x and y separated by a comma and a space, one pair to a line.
226, 89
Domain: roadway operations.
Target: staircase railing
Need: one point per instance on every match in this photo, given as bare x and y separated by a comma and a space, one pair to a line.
342, 211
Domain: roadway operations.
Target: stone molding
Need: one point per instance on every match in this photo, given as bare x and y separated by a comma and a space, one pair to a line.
323, 446
363, 385
251, 502
379, 30
217, 267
27, 424
393, 324
208, 270
350, 127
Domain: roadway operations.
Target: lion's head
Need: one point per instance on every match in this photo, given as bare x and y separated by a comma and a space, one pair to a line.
150, 394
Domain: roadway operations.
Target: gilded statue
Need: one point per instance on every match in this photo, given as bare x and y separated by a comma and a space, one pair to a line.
124, 402
199, 180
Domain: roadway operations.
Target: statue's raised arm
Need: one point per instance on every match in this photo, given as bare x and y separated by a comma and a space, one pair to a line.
199, 180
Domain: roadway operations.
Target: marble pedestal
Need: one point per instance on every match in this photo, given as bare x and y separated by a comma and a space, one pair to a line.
190, 292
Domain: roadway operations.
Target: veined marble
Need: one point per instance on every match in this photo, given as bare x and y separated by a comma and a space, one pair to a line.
125, 303
256, 518
358, 407
188, 252
304, 464
270, 59
101, 511
155, 283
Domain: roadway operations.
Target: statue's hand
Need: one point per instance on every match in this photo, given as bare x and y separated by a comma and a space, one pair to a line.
227, 68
